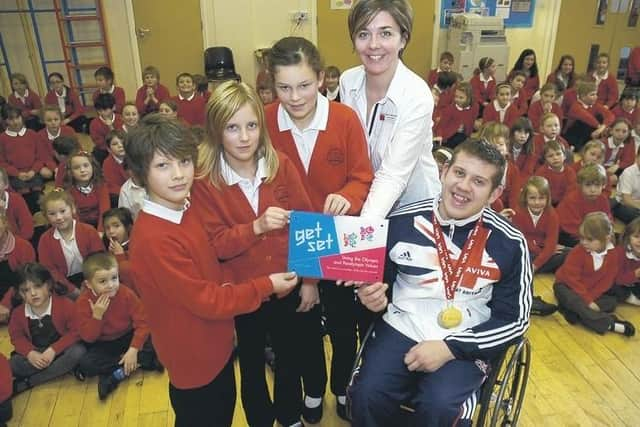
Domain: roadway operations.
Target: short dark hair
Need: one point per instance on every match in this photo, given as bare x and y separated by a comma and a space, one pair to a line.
105, 101
98, 261
65, 145
10, 111
486, 152
293, 51
157, 134
105, 72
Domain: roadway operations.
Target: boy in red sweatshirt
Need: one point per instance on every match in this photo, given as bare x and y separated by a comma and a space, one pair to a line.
587, 118
561, 177
108, 120
180, 280
191, 105
587, 197
112, 323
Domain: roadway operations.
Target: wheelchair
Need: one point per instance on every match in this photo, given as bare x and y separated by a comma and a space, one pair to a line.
501, 395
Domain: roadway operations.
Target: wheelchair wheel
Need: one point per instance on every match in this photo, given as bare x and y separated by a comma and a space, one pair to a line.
503, 394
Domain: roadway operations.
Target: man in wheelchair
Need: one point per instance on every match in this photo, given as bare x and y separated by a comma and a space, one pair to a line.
461, 280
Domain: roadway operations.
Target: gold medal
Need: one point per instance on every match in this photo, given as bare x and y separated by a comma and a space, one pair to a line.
449, 317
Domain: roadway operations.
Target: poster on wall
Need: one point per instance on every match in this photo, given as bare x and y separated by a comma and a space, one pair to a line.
601, 12
634, 12
516, 13
341, 4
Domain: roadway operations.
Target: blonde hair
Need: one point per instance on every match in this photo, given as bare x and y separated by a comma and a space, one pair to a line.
493, 130
541, 184
225, 101
592, 174
596, 226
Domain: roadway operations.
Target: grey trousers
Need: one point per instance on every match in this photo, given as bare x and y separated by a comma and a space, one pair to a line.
63, 363
599, 321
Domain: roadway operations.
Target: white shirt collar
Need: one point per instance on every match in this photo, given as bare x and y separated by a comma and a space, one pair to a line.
63, 94
612, 144
231, 177
498, 108
631, 255
21, 132
29, 313
21, 97
164, 212
482, 79
182, 98
111, 89
454, 222
51, 136
599, 78
57, 235
318, 123
396, 89
113, 118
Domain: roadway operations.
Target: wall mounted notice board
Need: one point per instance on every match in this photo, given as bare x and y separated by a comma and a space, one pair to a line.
517, 13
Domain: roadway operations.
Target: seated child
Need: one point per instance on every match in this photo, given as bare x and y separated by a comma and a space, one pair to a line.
23, 158
52, 119
169, 246
85, 184
457, 119
202, 86
104, 80
519, 95
522, 147
546, 104
586, 276
151, 93
619, 148
16, 251
627, 283
497, 134
117, 227
606, 83
446, 83
42, 330
587, 118
107, 121
627, 107
132, 194
501, 109
628, 193
483, 82
561, 178
564, 72
67, 101
26, 100
112, 323
113, 166
191, 106
64, 246
6, 390
63, 147
130, 116
15, 208
264, 86
332, 83
591, 154
445, 65
583, 199
169, 108
442, 156
550, 130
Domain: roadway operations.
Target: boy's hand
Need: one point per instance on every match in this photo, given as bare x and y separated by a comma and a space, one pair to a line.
100, 306
48, 355
374, 296
4, 314
309, 296
335, 204
129, 361
274, 218
283, 283
36, 359
115, 247
46, 173
428, 356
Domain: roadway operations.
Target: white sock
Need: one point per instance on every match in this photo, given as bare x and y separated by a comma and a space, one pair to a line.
633, 300
618, 327
312, 402
342, 400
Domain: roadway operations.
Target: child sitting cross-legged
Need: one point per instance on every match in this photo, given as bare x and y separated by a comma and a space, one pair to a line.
112, 323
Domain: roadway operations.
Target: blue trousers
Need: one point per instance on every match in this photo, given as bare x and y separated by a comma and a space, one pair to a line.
442, 398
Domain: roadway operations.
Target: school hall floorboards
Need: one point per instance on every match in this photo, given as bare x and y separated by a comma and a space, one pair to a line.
577, 378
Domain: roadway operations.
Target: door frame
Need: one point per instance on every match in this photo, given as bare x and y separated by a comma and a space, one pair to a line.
133, 37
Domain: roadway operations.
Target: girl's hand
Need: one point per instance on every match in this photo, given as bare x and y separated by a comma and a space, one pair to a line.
335, 204
46, 173
115, 247
36, 359
129, 361
100, 306
593, 306
274, 218
283, 283
48, 355
309, 296
30, 174
507, 213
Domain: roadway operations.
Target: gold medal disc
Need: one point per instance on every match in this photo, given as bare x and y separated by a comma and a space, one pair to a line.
449, 317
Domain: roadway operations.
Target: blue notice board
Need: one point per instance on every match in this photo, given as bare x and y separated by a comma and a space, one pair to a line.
517, 13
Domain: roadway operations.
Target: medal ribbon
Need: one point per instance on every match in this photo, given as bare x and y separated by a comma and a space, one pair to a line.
450, 277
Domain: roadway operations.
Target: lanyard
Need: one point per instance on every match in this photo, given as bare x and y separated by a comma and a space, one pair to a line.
450, 277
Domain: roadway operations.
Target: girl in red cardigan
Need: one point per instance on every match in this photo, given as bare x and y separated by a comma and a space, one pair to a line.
244, 195
620, 150
483, 82
14, 251
42, 330
52, 118
546, 104
606, 82
627, 107
501, 109
26, 100
151, 93
117, 227
564, 72
130, 116
627, 287
585, 277
67, 101
15, 208
84, 183
64, 246
518, 92
522, 149
457, 119
113, 167
587, 119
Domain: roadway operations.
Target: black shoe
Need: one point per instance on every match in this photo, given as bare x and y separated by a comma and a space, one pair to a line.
106, 385
569, 316
341, 410
270, 358
312, 415
20, 385
629, 329
541, 308
80, 376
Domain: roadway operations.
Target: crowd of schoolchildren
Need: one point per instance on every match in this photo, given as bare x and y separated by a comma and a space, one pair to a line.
77, 309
